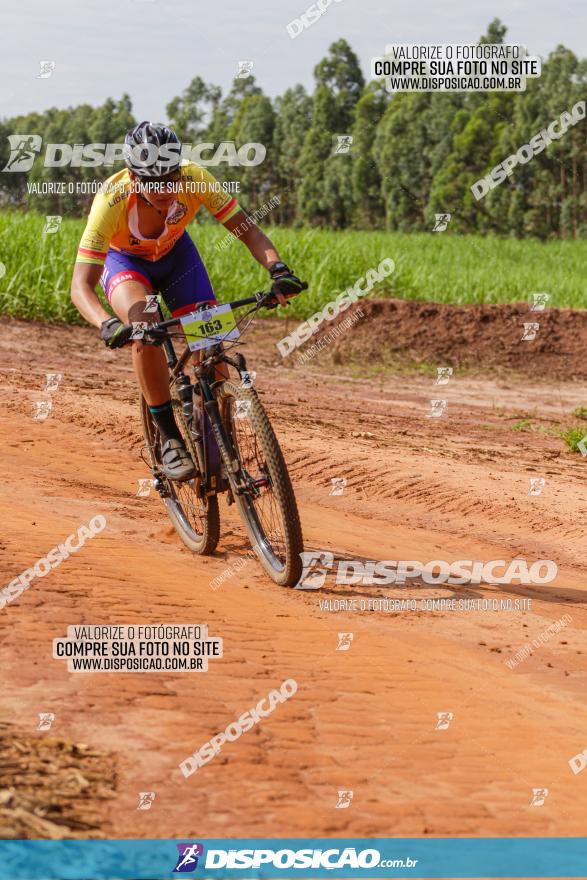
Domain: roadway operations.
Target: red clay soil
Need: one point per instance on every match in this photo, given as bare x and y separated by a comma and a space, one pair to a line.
469, 336
418, 488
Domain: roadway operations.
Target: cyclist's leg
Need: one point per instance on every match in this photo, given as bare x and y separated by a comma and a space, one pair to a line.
126, 285
188, 284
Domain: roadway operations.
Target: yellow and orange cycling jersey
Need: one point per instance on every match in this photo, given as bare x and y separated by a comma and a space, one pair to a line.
113, 219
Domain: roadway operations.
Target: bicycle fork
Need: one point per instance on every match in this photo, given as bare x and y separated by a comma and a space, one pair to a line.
231, 464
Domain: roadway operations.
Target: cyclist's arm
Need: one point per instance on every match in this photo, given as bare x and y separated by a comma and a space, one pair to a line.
91, 254
260, 246
227, 211
83, 293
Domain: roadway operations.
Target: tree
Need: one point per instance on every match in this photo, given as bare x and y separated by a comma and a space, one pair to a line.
369, 207
547, 196
341, 73
254, 123
292, 121
313, 199
190, 113
471, 158
401, 154
325, 194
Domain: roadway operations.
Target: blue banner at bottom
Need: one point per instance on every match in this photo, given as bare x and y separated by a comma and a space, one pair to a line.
286, 858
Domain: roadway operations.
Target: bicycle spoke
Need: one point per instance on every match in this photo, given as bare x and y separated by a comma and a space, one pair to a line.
255, 468
191, 508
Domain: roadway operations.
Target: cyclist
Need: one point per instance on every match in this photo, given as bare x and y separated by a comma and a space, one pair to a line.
135, 243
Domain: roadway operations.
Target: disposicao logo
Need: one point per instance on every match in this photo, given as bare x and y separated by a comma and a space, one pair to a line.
188, 855
24, 148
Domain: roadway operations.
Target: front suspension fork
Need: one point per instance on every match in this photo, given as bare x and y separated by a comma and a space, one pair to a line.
232, 465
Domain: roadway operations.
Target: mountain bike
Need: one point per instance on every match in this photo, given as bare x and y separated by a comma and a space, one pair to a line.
229, 436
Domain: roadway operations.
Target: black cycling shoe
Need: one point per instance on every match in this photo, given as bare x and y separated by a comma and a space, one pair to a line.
176, 461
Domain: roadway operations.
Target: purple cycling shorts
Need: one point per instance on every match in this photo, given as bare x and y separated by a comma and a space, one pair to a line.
180, 276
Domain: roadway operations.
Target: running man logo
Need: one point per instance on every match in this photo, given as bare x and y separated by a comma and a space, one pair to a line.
344, 143
437, 408
42, 410
530, 331
47, 68
578, 762
314, 574
187, 860
52, 381
152, 303
444, 719
344, 641
539, 302
52, 224
539, 795
244, 69
46, 719
443, 375
247, 378
139, 328
146, 799
144, 489
441, 222
23, 150
338, 485
345, 799
537, 484
243, 408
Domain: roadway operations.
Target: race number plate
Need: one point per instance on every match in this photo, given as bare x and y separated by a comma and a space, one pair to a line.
209, 327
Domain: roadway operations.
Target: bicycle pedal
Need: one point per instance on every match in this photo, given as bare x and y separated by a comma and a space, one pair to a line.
160, 486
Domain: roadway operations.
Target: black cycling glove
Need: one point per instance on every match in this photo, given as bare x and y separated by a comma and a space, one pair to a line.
114, 333
284, 281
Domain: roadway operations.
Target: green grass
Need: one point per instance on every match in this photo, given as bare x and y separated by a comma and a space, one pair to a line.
572, 437
523, 425
433, 266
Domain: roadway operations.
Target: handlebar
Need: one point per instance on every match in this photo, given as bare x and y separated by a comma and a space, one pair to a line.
235, 304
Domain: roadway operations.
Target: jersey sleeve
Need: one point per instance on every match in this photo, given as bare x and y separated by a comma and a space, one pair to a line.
220, 204
99, 230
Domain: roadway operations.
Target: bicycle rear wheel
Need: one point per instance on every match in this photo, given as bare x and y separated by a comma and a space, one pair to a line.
268, 507
196, 519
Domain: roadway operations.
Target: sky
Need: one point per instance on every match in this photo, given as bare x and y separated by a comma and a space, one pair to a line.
152, 48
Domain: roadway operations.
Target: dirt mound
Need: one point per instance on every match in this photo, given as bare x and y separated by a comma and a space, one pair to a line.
48, 787
469, 336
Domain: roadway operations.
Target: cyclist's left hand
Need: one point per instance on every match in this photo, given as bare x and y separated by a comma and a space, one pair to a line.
285, 284
114, 333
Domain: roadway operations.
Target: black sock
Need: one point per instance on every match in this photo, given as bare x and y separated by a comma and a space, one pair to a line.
165, 421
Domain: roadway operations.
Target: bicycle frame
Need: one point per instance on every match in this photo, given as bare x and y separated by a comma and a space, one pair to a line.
247, 462
211, 478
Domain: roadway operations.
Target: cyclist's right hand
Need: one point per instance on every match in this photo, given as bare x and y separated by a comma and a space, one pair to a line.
114, 333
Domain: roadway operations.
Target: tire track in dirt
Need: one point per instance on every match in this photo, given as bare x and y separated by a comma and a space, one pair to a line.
363, 719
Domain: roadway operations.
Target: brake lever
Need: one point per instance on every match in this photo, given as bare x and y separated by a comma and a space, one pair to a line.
274, 305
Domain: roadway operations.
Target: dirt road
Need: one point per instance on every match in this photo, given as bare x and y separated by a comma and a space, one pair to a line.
364, 719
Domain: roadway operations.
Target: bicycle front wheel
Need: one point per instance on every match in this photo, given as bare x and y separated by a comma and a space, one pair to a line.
267, 505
